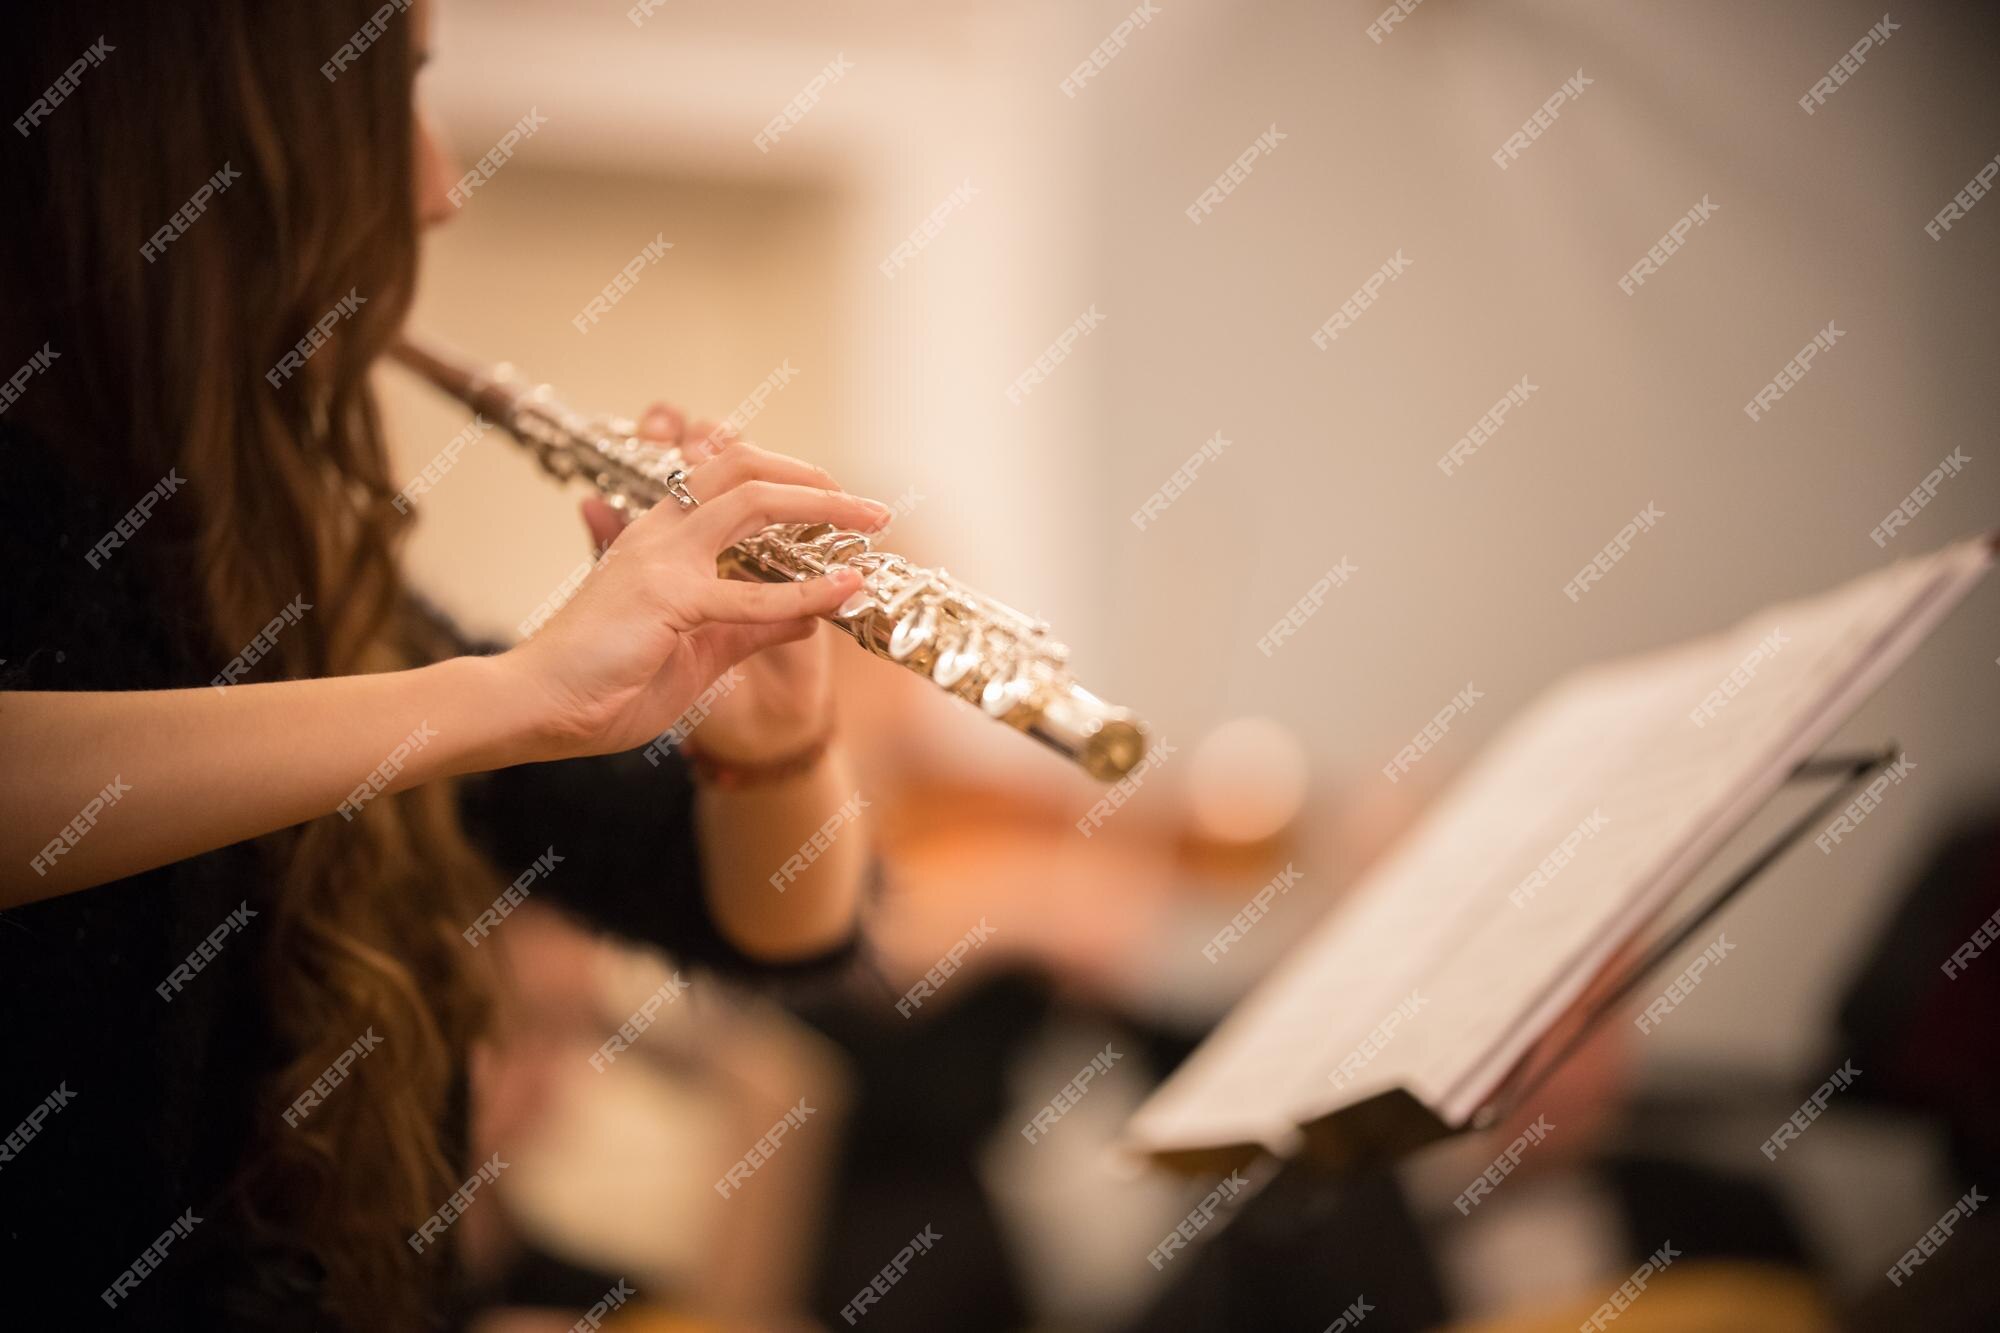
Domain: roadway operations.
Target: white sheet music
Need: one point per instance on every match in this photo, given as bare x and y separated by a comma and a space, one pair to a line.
1611, 755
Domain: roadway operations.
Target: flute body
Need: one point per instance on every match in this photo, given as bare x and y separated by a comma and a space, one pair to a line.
976, 648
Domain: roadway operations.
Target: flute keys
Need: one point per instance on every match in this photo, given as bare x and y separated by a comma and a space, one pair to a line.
903, 596
913, 632
837, 548
1004, 693
956, 660
557, 463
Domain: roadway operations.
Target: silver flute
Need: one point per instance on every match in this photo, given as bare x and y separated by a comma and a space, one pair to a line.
979, 650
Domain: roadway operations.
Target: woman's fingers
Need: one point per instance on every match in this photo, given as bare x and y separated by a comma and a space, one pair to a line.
662, 424
707, 439
733, 602
726, 645
604, 522
746, 462
756, 505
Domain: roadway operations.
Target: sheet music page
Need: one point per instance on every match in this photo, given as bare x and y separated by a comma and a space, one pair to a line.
1571, 831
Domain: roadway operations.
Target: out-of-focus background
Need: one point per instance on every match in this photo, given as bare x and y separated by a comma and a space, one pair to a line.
1029, 206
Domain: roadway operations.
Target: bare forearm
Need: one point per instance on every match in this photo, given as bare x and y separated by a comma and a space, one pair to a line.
96, 786
785, 861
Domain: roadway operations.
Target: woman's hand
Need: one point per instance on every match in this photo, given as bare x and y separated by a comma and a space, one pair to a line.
653, 625
178, 772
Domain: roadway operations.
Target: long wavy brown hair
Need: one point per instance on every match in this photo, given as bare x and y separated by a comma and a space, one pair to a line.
289, 493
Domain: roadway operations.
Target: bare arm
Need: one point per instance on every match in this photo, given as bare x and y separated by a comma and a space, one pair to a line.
98, 786
786, 862
95, 786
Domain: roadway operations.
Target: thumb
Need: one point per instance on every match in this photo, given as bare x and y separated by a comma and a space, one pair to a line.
604, 522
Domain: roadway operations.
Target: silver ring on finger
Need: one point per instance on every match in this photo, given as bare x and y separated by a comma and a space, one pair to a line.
675, 483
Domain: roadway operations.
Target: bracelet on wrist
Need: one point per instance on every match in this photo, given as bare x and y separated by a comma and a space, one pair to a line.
736, 774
